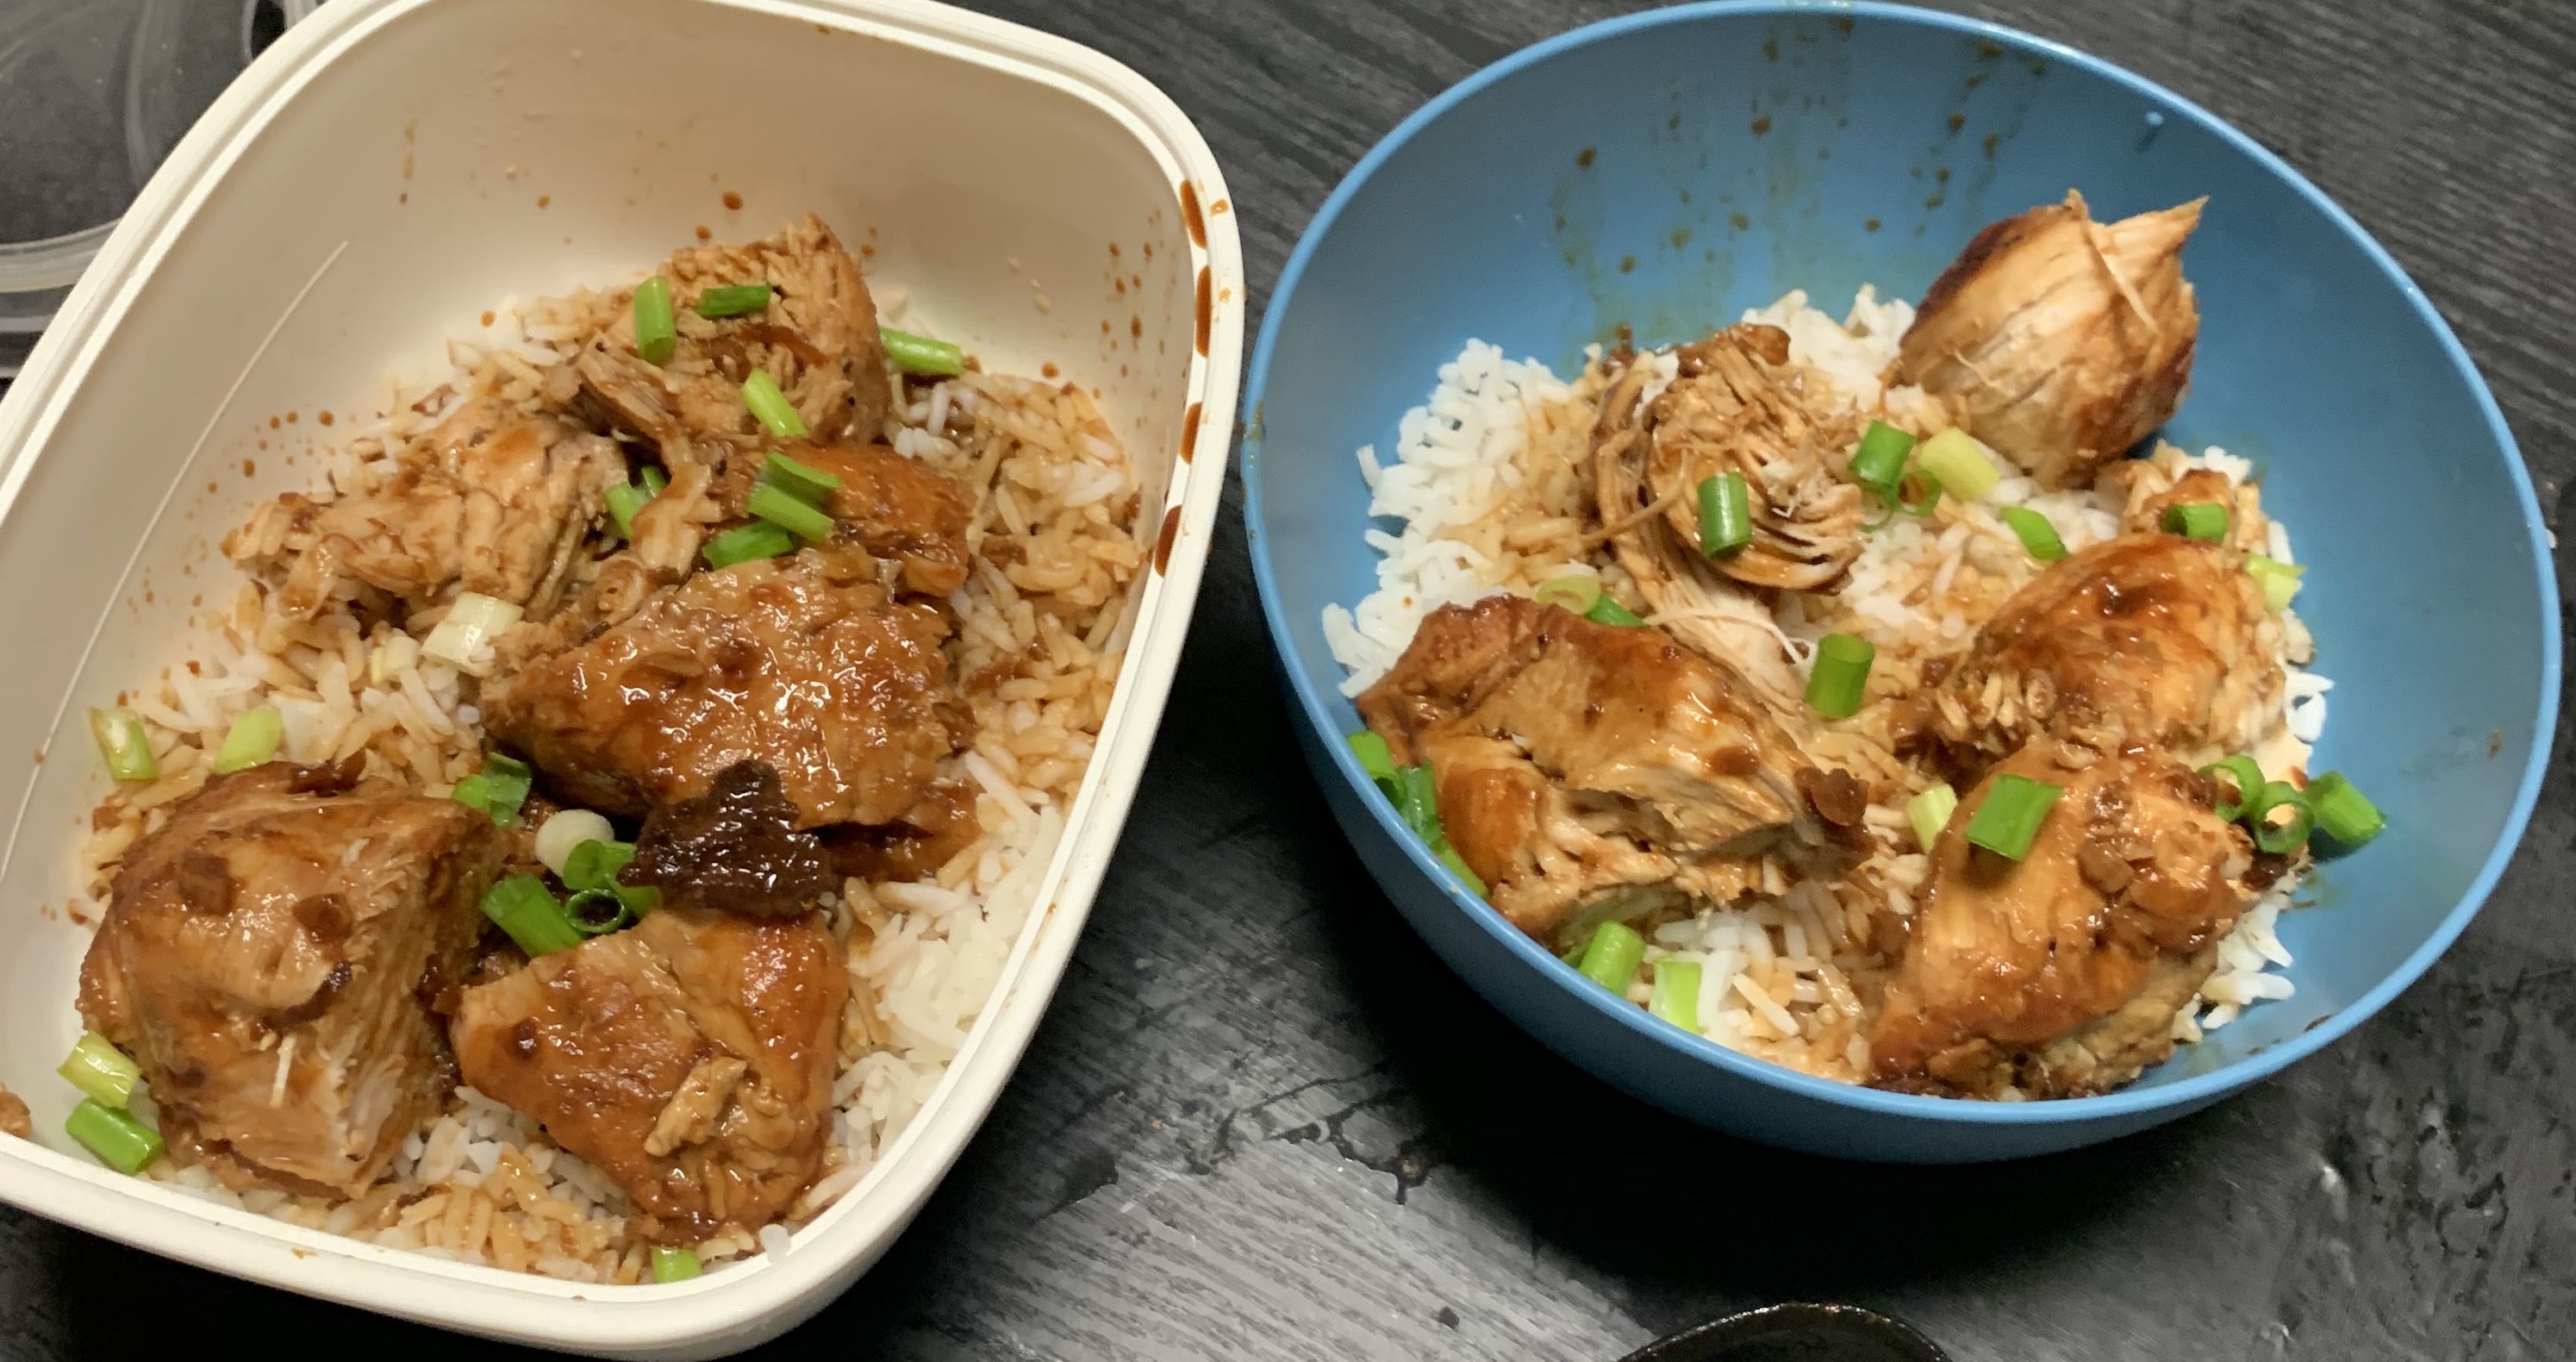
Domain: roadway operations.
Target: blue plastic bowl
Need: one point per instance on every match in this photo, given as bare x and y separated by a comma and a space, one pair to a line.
1670, 169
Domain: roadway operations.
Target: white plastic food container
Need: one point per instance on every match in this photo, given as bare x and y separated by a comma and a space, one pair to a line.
386, 173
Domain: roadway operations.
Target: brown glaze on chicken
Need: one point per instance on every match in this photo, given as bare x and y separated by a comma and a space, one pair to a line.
2146, 639
2059, 975
269, 958
690, 1058
496, 502
841, 692
1735, 405
1573, 758
887, 505
2061, 341
735, 849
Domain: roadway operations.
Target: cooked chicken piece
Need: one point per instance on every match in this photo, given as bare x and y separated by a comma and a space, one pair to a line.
838, 690
498, 503
929, 835
888, 505
270, 957
2148, 491
14, 1118
1649, 744
2059, 975
2148, 638
735, 847
689, 1057
1734, 405
2063, 341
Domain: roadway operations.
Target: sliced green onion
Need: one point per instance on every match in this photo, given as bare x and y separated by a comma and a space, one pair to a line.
1417, 801
1725, 514
656, 337
812, 486
527, 910
1880, 460
1677, 993
1930, 812
2279, 580
922, 355
1575, 591
760, 393
674, 1264
2008, 821
2038, 537
118, 1139
497, 790
759, 539
623, 501
781, 508
122, 741
1922, 502
1572, 955
733, 300
2247, 778
1608, 610
2343, 812
469, 623
251, 741
2202, 520
1373, 755
591, 868
654, 481
597, 912
1961, 464
1840, 675
1612, 957
98, 1068
1448, 856
2280, 839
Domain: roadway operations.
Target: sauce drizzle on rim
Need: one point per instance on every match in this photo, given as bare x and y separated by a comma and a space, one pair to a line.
1163, 541
1190, 217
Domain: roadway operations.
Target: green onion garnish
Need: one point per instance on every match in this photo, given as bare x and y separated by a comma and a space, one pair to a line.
2244, 780
781, 508
2343, 812
759, 539
656, 337
1930, 812
251, 741
98, 1068
733, 300
498, 789
597, 912
1417, 802
1608, 610
527, 910
1575, 591
625, 499
2037, 536
1373, 755
1677, 993
2279, 580
1840, 675
2280, 839
760, 393
118, 1139
1922, 502
591, 868
922, 355
1448, 856
1612, 958
1725, 514
1960, 464
1881, 458
123, 742
2202, 520
812, 486
654, 481
2009, 819
674, 1264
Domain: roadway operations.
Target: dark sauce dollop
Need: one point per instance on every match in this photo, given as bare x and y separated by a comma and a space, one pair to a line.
734, 848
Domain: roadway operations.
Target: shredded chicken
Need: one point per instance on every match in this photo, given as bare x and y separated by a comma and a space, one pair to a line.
2062, 341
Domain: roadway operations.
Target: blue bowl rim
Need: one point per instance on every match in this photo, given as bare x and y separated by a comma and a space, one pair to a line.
2182, 1094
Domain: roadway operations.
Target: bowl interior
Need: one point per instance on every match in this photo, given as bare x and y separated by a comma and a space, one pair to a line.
1669, 171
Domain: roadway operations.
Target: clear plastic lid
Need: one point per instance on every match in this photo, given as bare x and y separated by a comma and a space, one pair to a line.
93, 94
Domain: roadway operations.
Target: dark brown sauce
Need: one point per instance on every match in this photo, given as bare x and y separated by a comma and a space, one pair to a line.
1163, 541
732, 202
734, 848
1206, 309
1190, 214
1189, 431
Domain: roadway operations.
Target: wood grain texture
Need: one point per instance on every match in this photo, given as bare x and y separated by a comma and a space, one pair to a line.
1262, 1122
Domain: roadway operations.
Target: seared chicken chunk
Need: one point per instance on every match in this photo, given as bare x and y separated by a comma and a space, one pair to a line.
1649, 743
2146, 639
266, 958
839, 691
887, 505
689, 1057
1734, 405
2063, 341
2059, 975
497, 504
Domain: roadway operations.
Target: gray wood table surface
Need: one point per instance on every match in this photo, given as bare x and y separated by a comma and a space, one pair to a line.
1261, 1121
